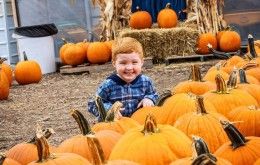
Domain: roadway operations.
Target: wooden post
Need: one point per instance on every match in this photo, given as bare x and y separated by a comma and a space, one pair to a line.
15, 14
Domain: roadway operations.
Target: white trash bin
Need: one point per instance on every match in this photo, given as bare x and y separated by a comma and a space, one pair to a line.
40, 49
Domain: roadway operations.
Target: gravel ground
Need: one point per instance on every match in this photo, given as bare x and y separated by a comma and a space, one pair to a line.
49, 102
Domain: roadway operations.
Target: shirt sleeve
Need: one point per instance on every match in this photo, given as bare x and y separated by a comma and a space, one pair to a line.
151, 92
103, 92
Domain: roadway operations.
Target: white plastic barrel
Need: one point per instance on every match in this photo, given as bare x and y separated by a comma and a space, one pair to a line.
40, 49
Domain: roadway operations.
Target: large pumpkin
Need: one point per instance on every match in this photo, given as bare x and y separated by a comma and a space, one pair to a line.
246, 119
152, 144
224, 99
195, 85
74, 54
204, 40
167, 17
7, 69
4, 85
239, 150
204, 124
230, 41
98, 53
140, 19
27, 72
79, 144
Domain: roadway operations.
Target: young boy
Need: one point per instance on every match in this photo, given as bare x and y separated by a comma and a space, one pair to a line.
127, 85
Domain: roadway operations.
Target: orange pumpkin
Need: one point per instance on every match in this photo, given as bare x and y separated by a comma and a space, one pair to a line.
141, 113
195, 85
26, 152
203, 41
62, 49
4, 85
140, 19
74, 54
230, 41
79, 144
204, 124
152, 144
246, 119
45, 157
179, 104
230, 98
27, 72
239, 150
201, 154
111, 121
7, 69
7, 161
167, 17
98, 53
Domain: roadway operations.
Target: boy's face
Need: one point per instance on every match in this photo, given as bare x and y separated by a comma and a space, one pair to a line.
128, 66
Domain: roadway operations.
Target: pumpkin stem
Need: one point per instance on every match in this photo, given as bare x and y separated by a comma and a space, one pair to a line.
113, 111
251, 46
250, 65
101, 108
46, 133
201, 147
64, 40
96, 150
138, 8
168, 6
195, 74
2, 60
203, 159
150, 125
42, 146
200, 105
221, 85
236, 138
232, 81
2, 158
25, 56
82, 122
242, 77
163, 97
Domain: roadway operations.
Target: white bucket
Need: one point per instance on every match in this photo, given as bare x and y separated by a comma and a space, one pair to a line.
40, 49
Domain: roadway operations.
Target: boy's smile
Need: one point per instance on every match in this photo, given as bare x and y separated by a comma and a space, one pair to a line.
128, 66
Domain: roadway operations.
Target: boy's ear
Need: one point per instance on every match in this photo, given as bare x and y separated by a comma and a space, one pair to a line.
113, 63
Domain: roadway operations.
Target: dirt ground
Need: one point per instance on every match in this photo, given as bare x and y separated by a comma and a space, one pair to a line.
49, 102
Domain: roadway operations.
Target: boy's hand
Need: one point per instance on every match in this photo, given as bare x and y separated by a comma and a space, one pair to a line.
145, 103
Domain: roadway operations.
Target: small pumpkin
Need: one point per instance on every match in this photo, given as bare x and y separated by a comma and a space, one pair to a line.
167, 17
230, 41
4, 85
98, 53
65, 45
27, 72
7, 69
195, 85
203, 41
239, 150
140, 19
45, 158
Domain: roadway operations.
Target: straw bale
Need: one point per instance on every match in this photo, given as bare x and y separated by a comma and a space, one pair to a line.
161, 43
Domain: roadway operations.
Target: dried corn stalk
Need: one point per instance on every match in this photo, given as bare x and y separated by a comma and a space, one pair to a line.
208, 15
114, 16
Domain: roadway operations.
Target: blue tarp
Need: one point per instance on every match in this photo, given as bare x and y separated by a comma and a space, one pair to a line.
154, 6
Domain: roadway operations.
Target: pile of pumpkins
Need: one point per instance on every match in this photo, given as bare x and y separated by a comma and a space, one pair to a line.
92, 52
202, 120
25, 72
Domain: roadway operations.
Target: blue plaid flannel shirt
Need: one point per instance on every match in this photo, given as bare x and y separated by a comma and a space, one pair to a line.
115, 89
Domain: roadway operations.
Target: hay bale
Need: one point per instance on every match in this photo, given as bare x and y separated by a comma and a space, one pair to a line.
161, 43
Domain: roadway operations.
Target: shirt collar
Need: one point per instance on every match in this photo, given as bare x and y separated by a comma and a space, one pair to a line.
119, 81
